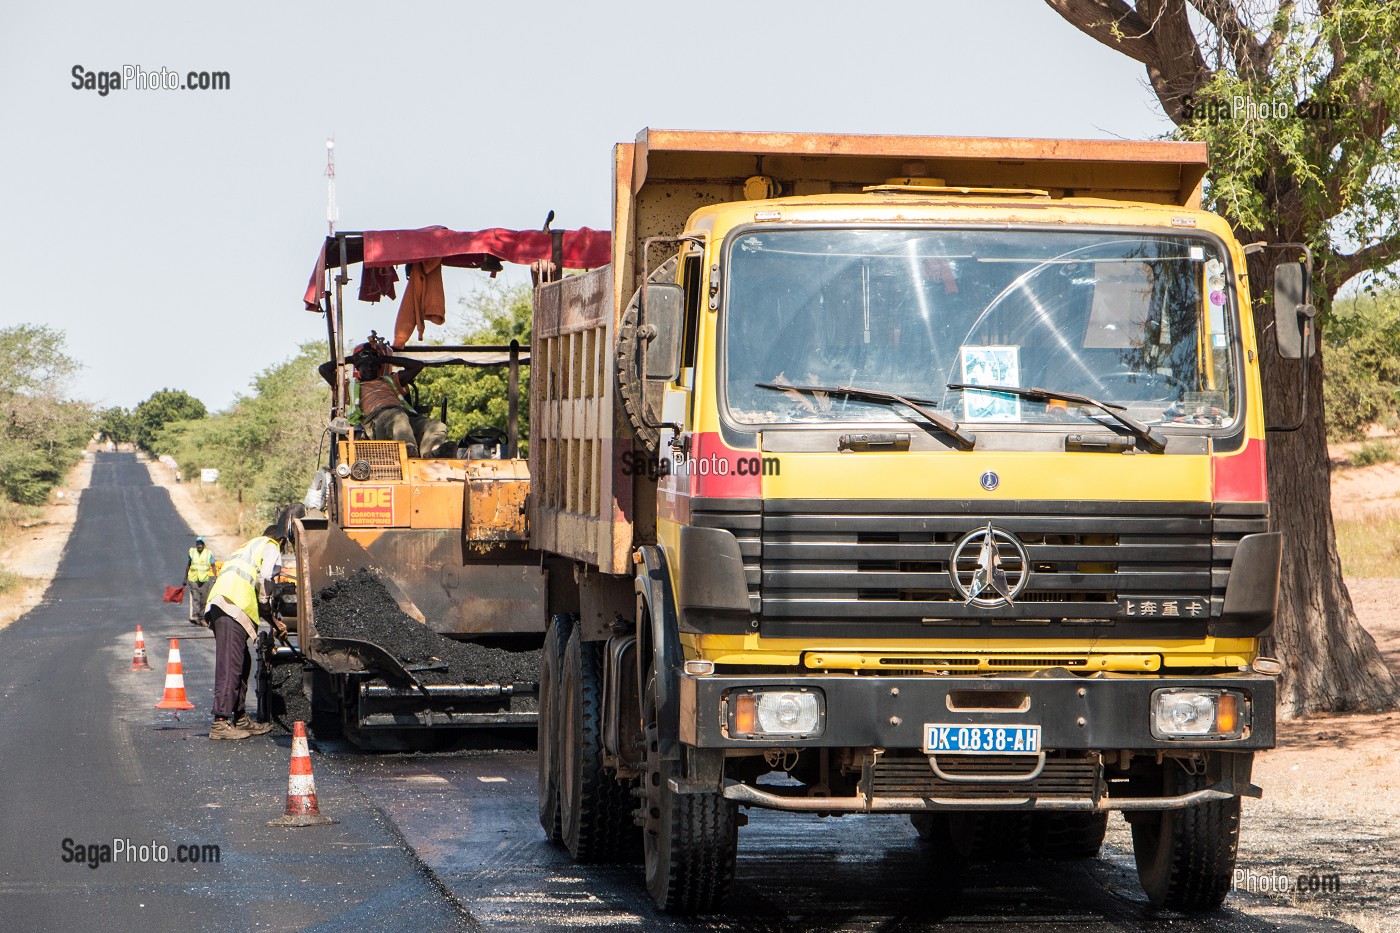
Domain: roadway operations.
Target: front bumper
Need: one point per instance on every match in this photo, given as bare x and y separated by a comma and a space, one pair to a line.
749, 795
1101, 712
1079, 717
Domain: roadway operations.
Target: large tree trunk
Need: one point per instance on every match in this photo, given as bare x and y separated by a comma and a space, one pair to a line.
1330, 661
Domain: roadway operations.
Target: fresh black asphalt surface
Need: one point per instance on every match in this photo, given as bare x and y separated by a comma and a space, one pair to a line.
86, 757
425, 842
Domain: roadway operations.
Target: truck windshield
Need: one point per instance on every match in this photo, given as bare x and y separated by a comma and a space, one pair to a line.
1139, 321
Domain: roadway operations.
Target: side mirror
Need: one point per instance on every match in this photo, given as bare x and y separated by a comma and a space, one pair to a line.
1291, 309
663, 311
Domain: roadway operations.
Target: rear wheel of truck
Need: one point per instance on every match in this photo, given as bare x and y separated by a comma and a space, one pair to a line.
1068, 835
691, 840
1185, 858
595, 809
556, 638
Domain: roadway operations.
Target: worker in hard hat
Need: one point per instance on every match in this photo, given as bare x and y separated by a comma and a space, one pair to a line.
243, 596
199, 579
379, 406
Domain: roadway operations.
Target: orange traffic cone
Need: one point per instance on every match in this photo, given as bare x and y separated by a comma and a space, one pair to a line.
301, 786
174, 681
139, 662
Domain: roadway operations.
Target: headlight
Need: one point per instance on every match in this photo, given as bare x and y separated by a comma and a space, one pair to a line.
1184, 712
756, 713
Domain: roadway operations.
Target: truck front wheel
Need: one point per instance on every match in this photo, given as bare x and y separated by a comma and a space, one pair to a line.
691, 840
1185, 858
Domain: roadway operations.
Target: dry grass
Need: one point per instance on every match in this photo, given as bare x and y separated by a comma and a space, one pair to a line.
14, 518
10, 581
1369, 544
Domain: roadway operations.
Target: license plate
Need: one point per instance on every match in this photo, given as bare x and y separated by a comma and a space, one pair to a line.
981, 740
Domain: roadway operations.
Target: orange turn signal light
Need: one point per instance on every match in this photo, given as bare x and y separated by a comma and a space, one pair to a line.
1227, 713
745, 714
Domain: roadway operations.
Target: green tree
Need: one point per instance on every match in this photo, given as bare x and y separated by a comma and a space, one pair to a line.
161, 409
42, 431
1323, 169
266, 446
117, 425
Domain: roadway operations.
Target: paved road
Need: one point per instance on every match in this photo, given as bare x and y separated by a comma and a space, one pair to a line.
471, 817
87, 758
426, 842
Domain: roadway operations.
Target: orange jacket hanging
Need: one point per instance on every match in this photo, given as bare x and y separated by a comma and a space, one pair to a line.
423, 301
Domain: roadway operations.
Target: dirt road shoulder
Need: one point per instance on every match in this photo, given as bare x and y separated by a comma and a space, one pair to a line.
36, 549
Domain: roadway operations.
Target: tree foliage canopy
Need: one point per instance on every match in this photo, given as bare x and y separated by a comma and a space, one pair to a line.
42, 432
160, 409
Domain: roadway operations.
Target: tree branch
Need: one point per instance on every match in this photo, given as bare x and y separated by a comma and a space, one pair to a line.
1377, 256
1157, 33
1179, 69
1112, 23
1245, 49
1275, 39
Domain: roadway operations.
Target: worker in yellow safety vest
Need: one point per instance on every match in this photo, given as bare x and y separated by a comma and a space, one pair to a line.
199, 579
242, 596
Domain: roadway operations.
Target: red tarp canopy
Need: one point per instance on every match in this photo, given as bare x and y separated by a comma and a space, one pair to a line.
583, 249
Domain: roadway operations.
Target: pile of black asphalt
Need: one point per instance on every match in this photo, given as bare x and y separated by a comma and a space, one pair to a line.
360, 606
288, 702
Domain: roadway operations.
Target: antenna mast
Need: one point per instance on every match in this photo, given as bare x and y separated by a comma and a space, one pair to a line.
332, 211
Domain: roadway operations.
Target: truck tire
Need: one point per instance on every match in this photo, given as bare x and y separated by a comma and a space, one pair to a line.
556, 637
637, 397
1068, 835
595, 809
990, 835
1185, 858
691, 840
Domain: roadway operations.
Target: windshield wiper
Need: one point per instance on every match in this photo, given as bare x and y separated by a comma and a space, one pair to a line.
1154, 441
966, 439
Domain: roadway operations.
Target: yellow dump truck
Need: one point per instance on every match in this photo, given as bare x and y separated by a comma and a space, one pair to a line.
915, 475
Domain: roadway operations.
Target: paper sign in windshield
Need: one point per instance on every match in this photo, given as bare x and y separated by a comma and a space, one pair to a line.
991, 366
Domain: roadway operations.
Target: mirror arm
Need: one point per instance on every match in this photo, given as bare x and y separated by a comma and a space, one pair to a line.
1307, 312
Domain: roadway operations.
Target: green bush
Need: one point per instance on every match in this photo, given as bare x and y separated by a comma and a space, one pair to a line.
1373, 452
1361, 355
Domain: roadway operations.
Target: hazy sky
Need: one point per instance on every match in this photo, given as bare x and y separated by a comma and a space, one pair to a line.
171, 233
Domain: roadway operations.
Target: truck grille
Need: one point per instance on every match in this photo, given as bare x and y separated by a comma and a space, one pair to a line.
880, 567
1066, 775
